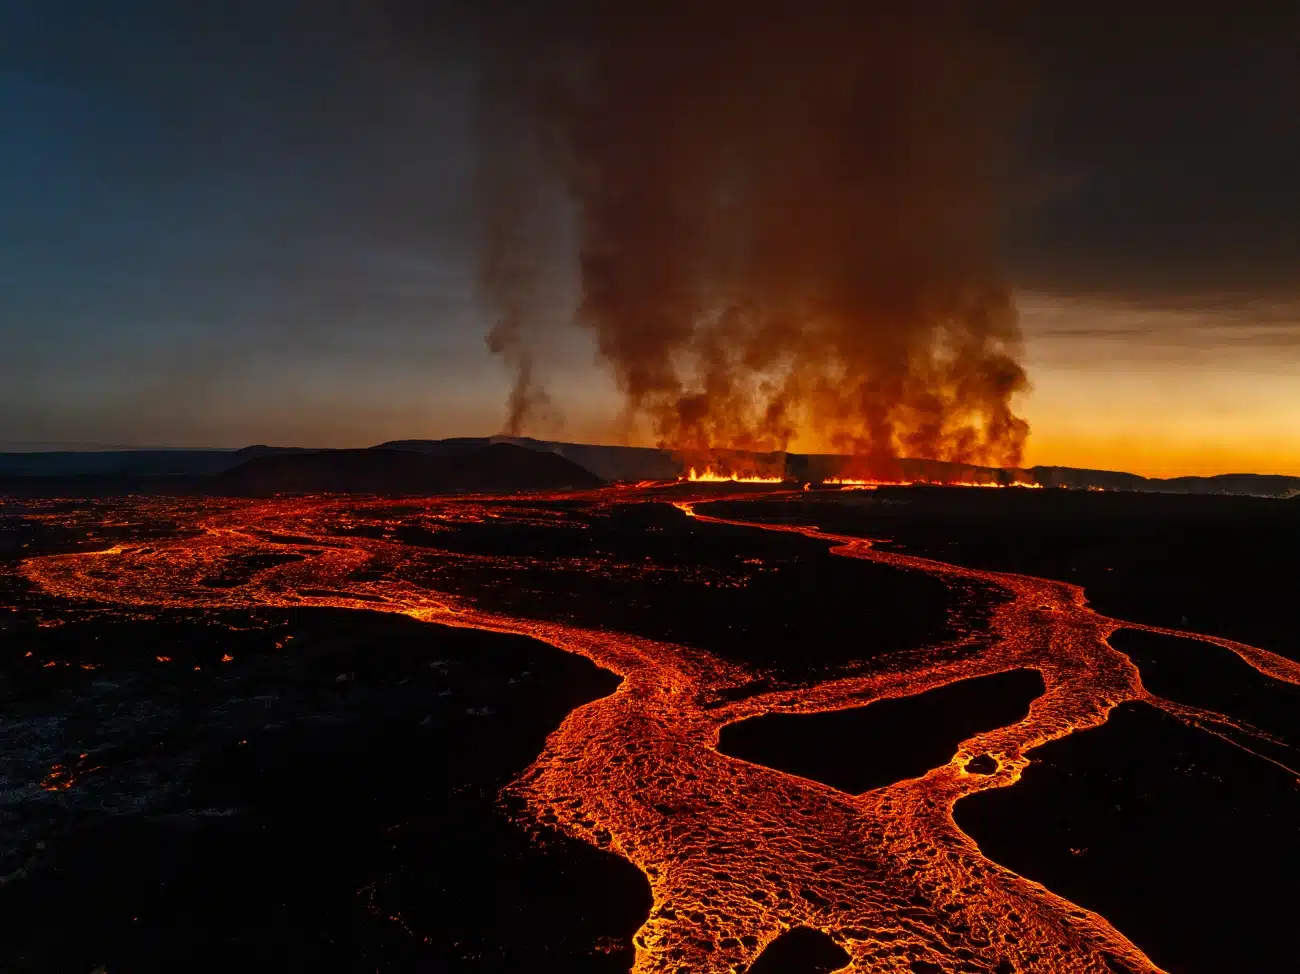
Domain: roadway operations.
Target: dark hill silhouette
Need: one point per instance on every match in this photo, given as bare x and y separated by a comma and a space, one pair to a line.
606, 462
494, 467
1260, 485
1079, 477
452, 446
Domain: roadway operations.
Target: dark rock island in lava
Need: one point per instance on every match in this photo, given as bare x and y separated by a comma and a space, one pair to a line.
893, 739
488, 468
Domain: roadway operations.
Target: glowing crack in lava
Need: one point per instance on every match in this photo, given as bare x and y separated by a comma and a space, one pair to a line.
735, 853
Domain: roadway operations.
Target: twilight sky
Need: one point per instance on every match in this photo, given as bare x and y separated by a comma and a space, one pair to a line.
253, 222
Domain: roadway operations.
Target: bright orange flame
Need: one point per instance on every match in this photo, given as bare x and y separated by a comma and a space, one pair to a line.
712, 475
865, 484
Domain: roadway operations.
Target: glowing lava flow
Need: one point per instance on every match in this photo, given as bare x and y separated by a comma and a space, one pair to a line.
735, 853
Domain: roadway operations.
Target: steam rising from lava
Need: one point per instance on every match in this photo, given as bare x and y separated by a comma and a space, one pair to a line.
786, 219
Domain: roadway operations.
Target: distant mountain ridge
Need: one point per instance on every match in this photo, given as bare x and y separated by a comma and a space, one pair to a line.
606, 462
389, 472
1263, 485
383, 469
263, 472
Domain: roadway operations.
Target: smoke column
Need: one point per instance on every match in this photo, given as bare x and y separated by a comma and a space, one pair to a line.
787, 218
512, 240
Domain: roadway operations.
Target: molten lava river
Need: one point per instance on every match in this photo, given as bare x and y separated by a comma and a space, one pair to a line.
735, 853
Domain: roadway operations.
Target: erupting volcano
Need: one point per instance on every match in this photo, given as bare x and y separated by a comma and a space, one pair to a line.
483, 488
786, 220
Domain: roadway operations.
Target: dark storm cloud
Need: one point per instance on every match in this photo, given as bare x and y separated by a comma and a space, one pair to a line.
219, 216
1163, 154
1160, 153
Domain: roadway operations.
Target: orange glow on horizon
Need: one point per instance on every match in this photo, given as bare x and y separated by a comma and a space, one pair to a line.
1196, 386
1184, 386
1161, 456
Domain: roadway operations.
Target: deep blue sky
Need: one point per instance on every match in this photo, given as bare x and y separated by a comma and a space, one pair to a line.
252, 221
211, 215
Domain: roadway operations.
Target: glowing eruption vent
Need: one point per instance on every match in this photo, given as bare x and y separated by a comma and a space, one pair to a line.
712, 475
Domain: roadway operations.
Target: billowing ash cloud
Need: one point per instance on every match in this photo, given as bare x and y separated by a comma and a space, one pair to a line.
786, 219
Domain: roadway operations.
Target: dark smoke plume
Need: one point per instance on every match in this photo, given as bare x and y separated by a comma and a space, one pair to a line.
512, 239
787, 219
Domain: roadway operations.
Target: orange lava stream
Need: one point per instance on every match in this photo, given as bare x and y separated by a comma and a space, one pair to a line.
736, 853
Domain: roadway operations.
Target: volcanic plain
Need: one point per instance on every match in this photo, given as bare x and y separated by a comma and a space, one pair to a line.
667, 727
